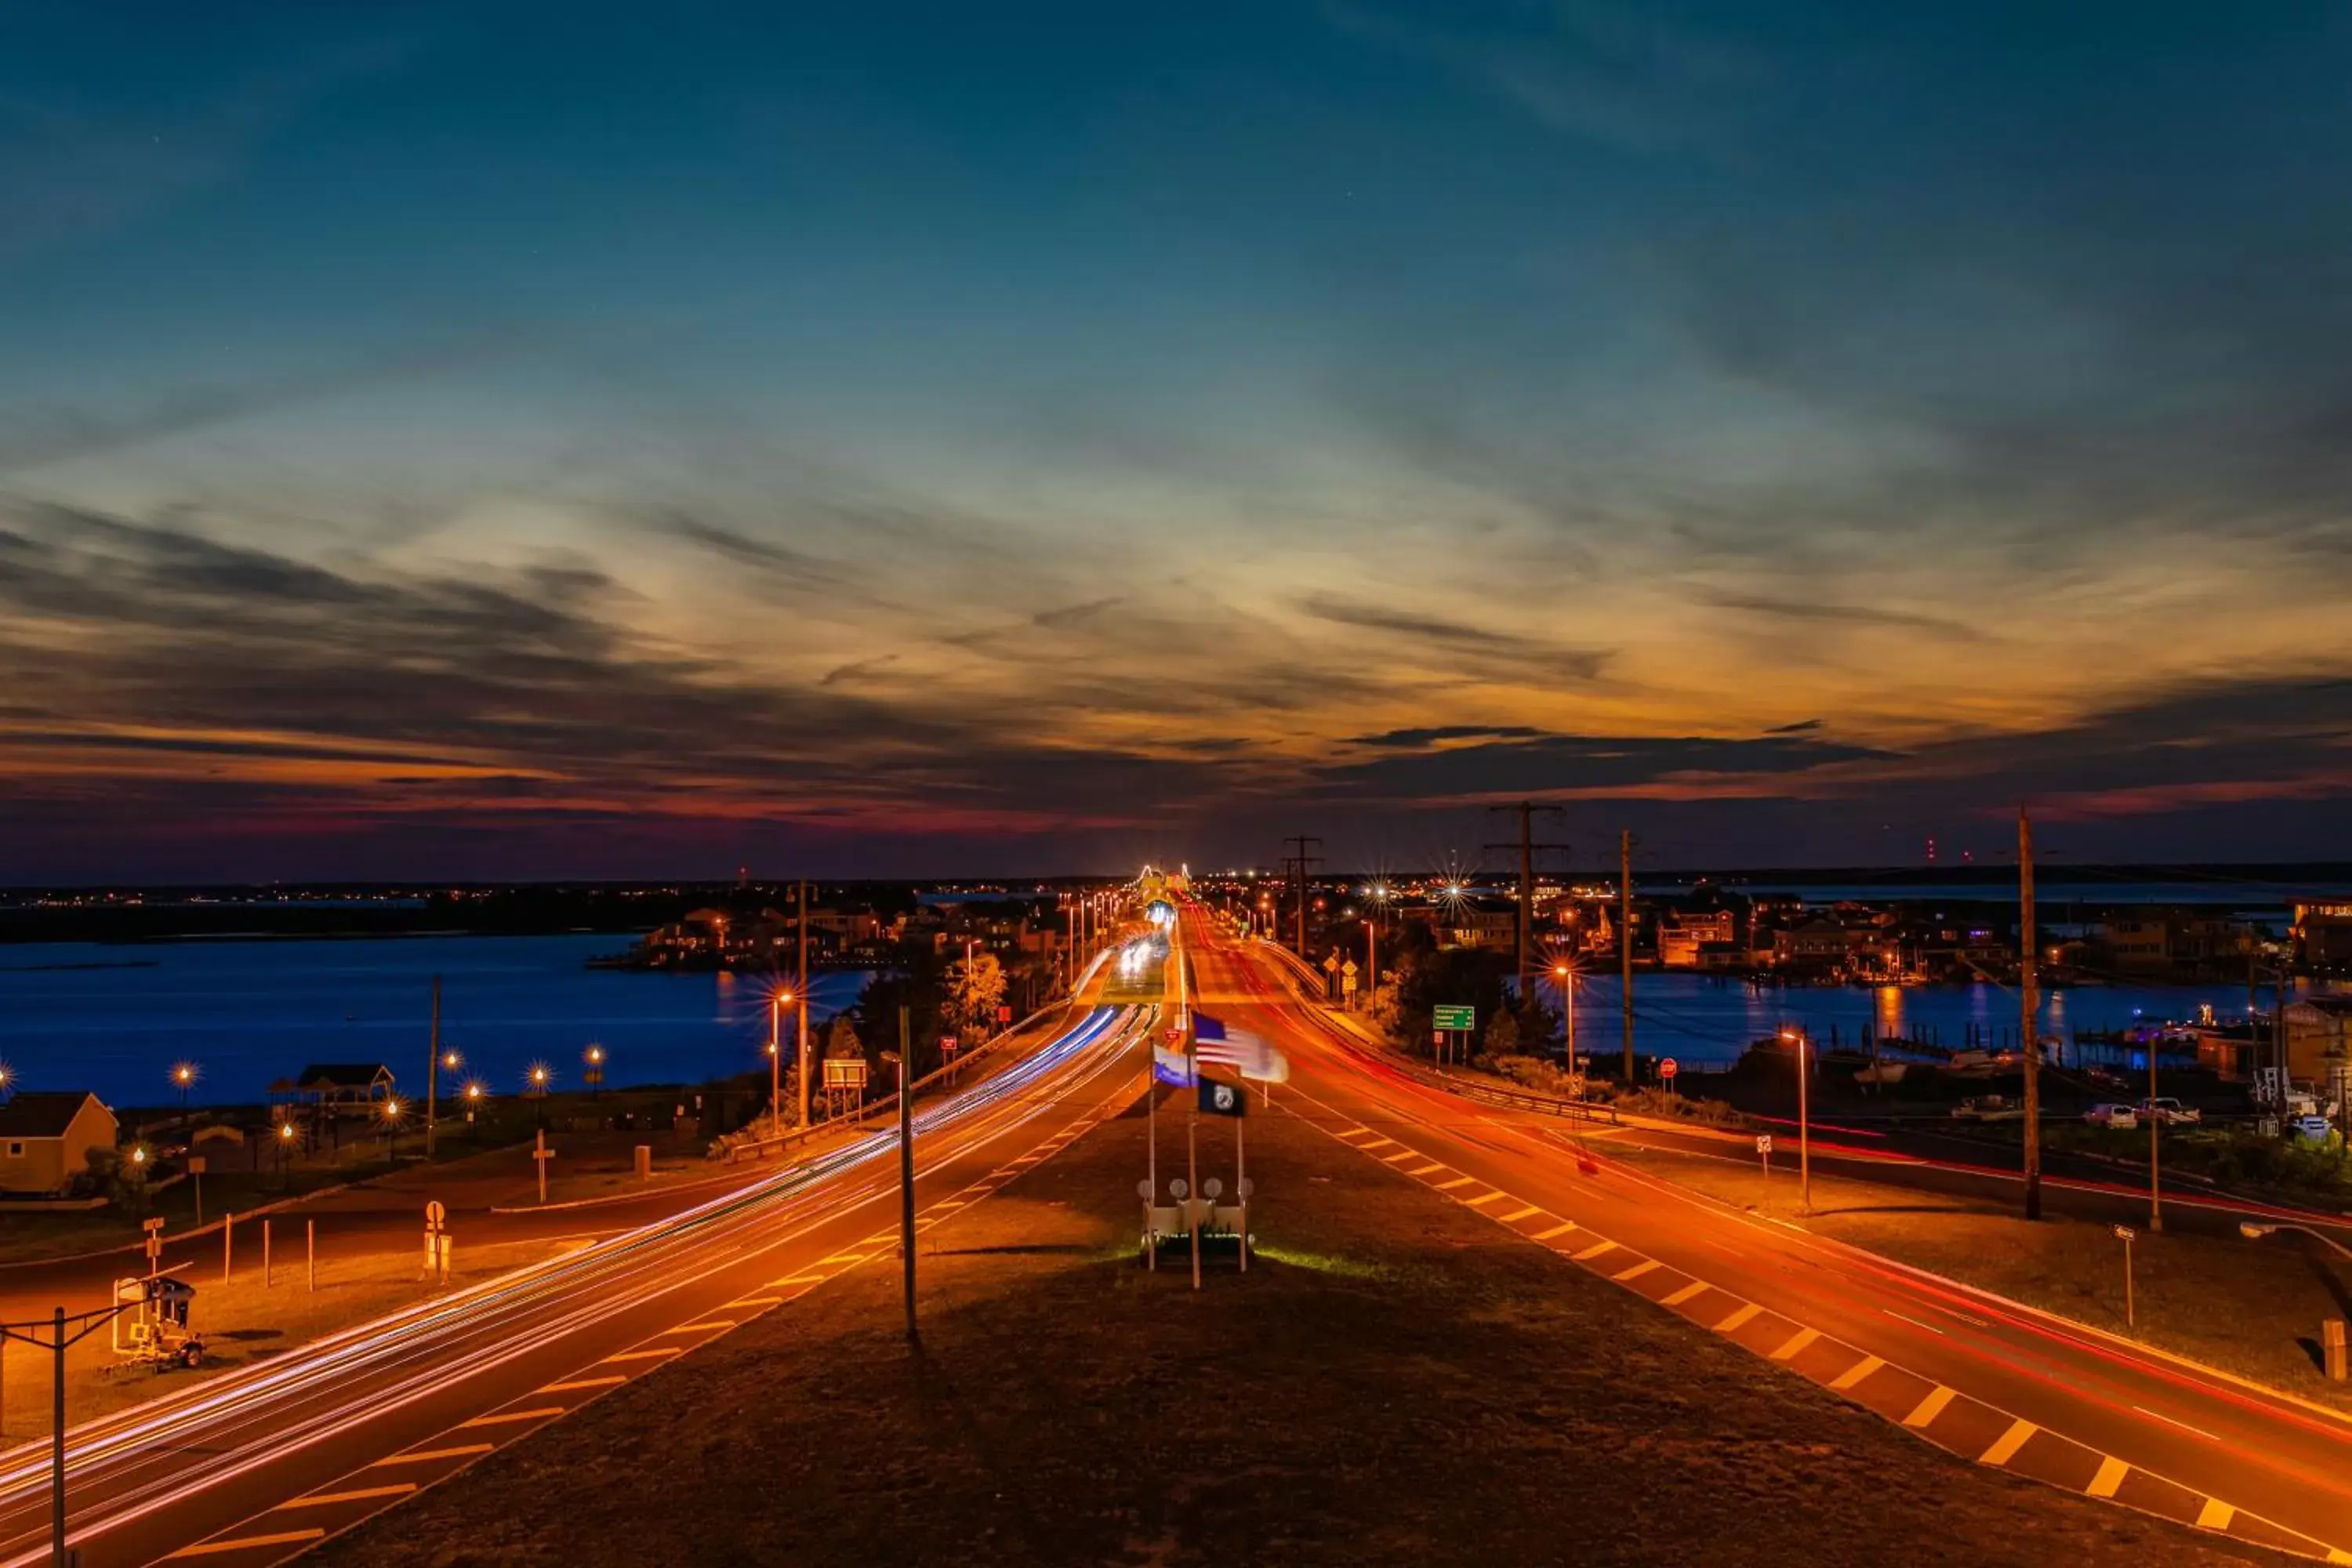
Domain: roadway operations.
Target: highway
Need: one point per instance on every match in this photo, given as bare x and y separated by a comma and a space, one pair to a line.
255, 1466
1990, 1381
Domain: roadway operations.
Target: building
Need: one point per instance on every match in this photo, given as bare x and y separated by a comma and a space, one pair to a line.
2323, 937
2171, 944
1686, 937
45, 1140
2319, 1036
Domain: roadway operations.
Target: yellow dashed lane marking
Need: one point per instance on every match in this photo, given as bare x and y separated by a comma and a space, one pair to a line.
715, 1326
1794, 1343
845, 1259
1456, 1181
759, 1301
580, 1382
1636, 1271
2215, 1515
803, 1279
247, 1543
2005, 1447
1855, 1374
1737, 1318
463, 1451
655, 1353
1483, 1199
1518, 1214
2111, 1475
1433, 1165
357, 1494
1562, 1228
1927, 1409
504, 1416
1399, 1155
1594, 1251
1696, 1288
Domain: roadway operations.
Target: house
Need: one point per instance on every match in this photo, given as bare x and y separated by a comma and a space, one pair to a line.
46, 1139
2320, 1036
337, 1088
2323, 936
1686, 933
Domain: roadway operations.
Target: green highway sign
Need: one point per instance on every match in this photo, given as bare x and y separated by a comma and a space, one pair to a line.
1454, 1017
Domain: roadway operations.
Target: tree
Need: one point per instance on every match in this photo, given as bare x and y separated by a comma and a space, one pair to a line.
975, 991
841, 1038
121, 1181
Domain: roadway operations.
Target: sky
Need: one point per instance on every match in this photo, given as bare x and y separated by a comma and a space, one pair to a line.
489, 441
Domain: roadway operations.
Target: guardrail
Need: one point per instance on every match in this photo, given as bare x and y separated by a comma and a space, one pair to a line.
1518, 1100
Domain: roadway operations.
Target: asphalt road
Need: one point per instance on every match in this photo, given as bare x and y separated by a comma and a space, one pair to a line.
1991, 1383
255, 1466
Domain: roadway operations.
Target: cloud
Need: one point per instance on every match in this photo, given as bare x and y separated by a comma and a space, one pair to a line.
1579, 664
1418, 738
1584, 764
1822, 613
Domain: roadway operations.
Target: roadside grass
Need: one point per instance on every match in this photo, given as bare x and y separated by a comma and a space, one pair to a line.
1395, 1381
2249, 1308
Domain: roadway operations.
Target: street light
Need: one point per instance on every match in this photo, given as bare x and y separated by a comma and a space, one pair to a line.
1566, 978
473, 1092
594, 1057
390, 1129
2254, 1232
1796, 1037
778, 1001
183, 1076
451, 1061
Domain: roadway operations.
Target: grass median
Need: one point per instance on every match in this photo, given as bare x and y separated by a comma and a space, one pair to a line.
1395, 1381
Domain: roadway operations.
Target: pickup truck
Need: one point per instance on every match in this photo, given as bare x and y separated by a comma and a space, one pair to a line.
2169, 1112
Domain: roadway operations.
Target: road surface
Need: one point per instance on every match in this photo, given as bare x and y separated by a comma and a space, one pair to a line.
1994, 1383
253, 1468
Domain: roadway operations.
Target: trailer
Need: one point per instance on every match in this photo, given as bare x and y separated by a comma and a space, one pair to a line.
150, 1323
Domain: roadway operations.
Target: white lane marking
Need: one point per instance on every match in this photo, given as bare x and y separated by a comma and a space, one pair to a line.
247, 1542
1913, 1321
1924, 1413
463, 1451
357, 1494
2005, 1447
2168, 1421
504, 1416
1855, 1374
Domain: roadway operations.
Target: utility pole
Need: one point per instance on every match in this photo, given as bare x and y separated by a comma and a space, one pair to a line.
1302, 860
803, 923
433, 1070
1625, 939
2030, 1013
1526, 846
2155, 1126
906, 1163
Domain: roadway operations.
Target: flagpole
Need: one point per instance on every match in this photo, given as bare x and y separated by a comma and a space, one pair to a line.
1241, 1181
1192, 1108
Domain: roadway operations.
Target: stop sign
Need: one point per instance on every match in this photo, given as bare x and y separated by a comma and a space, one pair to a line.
1666, 1068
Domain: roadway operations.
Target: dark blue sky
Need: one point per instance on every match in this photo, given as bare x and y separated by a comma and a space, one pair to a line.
498, 440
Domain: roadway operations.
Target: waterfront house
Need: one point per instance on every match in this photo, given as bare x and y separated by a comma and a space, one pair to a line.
45, 1140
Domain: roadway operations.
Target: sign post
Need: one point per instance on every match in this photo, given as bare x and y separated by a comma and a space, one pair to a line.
154, 1228
541, 1154
1668, 1068
2125, 1234
196, 1176
1229, 1099
1764, 1151
1452, 1020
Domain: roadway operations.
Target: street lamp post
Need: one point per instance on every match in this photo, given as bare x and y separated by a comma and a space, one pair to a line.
1796, 1037
595, 1058
1566, 976
392, 1131
776, 1004
184, 1077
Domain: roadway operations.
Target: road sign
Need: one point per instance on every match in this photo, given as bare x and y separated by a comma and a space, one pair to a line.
2126, 1233
1668, 1068
195, 1164
949, 1044
1331, 961
844, 1072
433, 1214
1222, 1099
1763, 1142
1454, 1017
1143, 1189
1004, 1014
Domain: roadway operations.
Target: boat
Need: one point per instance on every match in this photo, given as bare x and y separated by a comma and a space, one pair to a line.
1882, 1072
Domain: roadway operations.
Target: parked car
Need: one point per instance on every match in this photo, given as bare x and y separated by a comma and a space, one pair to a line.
2313, 1129
2170, 1112
2114, 1118
1987, 1108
